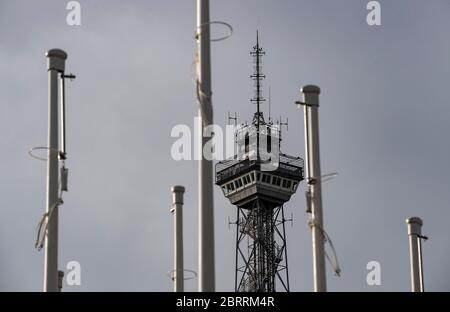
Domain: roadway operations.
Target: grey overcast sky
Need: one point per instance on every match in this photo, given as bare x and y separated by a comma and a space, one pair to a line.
384, 126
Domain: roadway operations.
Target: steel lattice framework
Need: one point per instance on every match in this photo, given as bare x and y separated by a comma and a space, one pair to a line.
261, 249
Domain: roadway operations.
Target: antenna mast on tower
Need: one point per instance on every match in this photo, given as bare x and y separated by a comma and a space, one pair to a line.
257, 77
258, 181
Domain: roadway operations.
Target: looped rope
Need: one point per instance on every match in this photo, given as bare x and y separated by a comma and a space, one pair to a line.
203, 99
334, 264
42, 230
323, 178
54, 150
204, 102
197, 33
172, 274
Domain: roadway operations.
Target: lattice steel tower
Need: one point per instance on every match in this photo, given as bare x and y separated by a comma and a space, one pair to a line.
259, 180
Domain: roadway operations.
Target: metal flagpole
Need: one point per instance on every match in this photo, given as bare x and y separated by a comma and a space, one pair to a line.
313, 178
177, 210
415, 250
206, 269
56, 65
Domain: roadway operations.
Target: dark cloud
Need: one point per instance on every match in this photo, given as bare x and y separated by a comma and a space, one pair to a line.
383, 115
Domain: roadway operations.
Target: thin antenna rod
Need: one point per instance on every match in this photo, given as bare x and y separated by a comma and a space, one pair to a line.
234, 118
63, 154
258, 94
63, 118
257, 76
258, 84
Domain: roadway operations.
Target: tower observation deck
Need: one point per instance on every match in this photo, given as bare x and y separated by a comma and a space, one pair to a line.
258, 181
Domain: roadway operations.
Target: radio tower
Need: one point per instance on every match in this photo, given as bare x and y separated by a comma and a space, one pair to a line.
258, 181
